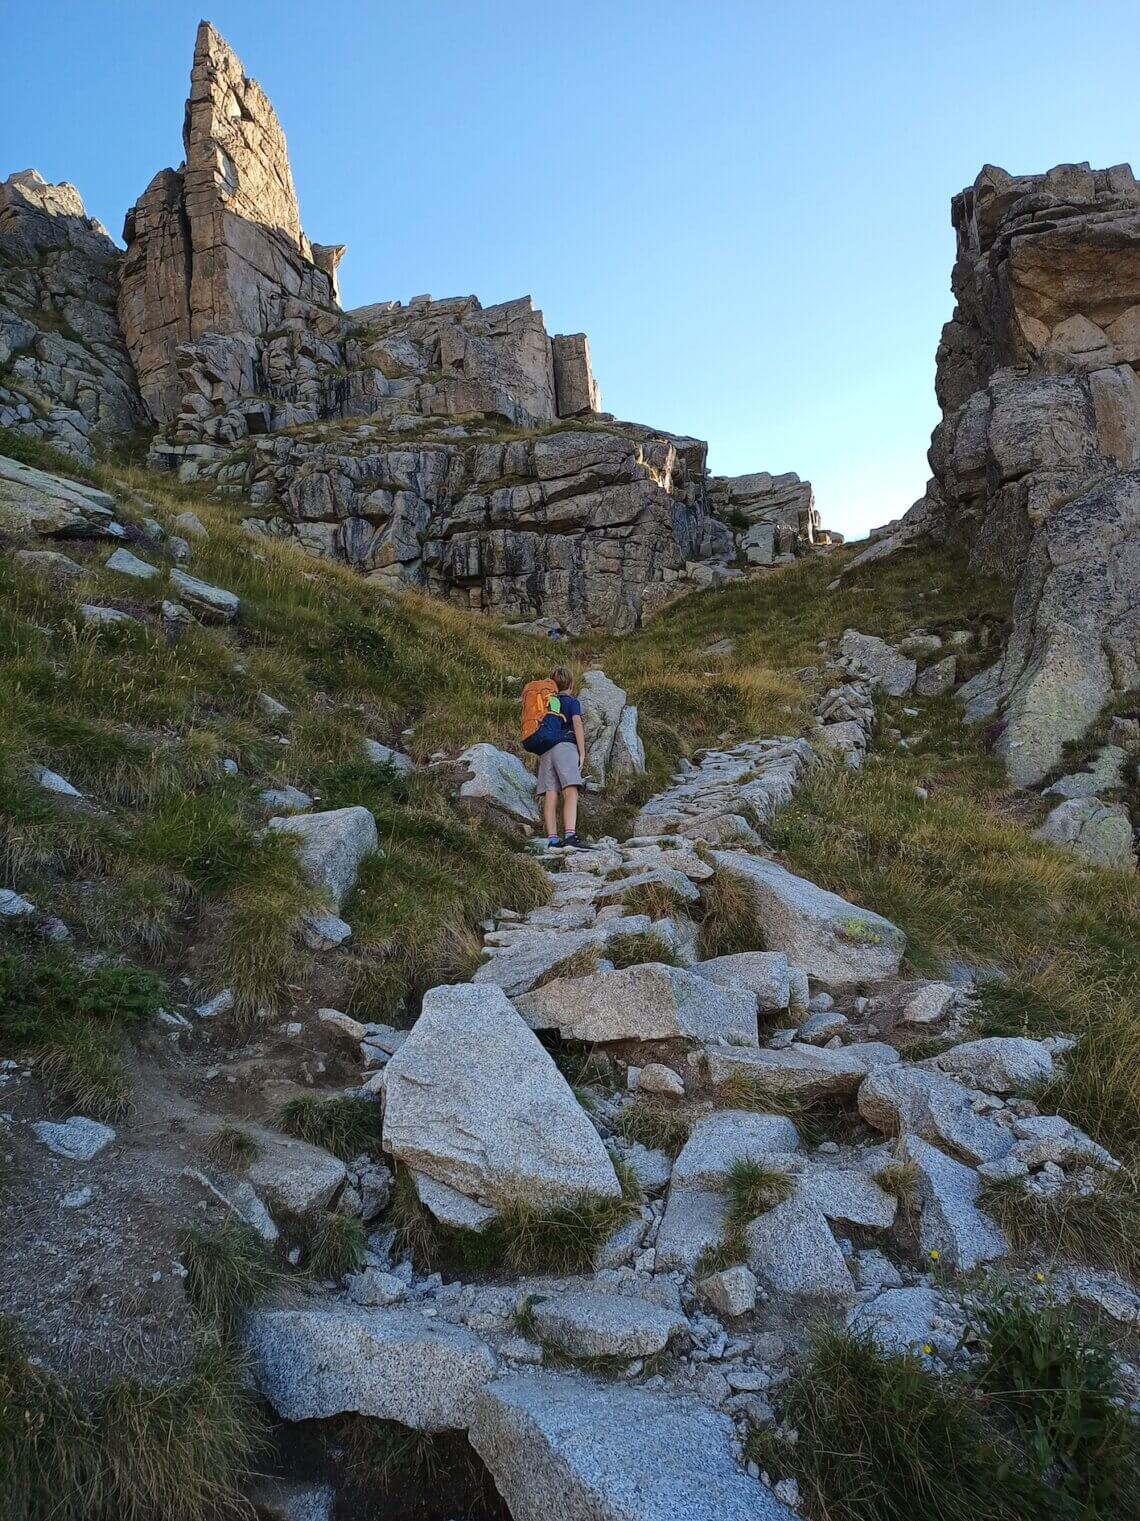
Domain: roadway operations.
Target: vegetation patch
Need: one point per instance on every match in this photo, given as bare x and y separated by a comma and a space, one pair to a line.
654, 1126
634, 949
728, 917
337, 1247
181, 1450
232, 1148
70, 1018
228, 1269
344, 1126
523, 1238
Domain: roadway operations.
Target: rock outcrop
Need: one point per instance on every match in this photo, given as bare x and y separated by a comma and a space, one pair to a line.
437, 444
1036, 461
65, 372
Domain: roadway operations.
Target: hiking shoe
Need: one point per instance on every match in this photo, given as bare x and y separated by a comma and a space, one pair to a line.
554, 843
572, 842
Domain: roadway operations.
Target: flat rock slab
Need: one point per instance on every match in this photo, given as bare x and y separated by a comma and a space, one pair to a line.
607, 1325
473, 1100
727, 1136
765, 972
905, 1098
331, 846
392, 1364
791, 1249
648, 1002
535, 954
694, 1221
809, 1072
34, 501
293, 1177
848, 1196
833, 940
79, 1139
213, 603
559, 1445
128, 564
950, 1221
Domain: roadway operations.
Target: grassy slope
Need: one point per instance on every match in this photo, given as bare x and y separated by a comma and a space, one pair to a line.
173, 858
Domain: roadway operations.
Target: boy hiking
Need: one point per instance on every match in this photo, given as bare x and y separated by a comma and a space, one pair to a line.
552, 730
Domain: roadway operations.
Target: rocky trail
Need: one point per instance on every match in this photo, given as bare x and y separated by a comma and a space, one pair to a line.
630, 1389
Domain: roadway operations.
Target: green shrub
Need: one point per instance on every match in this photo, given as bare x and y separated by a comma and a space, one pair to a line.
882, 1439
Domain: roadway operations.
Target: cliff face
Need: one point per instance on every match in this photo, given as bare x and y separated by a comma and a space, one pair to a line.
437, 444
1036, 461
65, 373
216, 246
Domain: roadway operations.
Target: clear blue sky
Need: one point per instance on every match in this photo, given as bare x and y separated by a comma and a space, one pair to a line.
745, 205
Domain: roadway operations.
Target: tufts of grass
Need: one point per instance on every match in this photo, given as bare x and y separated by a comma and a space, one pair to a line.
882, 1439
344, 1126
337, 1247
1101, 1228
900, 1179
581, 963
416, 1231
728, 917
525, 1237
228, 1269
232, 1148
656, 899
752, 1189
181, 1450
653, 1125
70, 1018
634, 949
583, 1066
748, 1090
416, 908
1057, 1385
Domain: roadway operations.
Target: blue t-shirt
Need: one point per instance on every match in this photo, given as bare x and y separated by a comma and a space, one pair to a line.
570, 708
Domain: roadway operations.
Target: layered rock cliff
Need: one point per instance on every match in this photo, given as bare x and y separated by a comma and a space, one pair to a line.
1036, 461
437, 444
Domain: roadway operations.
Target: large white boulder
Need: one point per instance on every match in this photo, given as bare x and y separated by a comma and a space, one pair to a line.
388, 1363
904, 1098
950, 1222
765, 972
559, 1445
613, 748
998, 1063
888, 668
473, 1100
647, 1002
496, 781
331, 846
833, 940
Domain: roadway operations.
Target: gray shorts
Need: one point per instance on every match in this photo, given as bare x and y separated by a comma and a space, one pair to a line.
559, 768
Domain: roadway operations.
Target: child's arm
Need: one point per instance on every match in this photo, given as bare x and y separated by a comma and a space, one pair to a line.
580, 739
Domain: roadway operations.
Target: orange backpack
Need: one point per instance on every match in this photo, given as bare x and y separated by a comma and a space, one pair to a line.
536, 697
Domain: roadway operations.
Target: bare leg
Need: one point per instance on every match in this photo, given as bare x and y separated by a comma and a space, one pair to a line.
550, 813
570, 809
